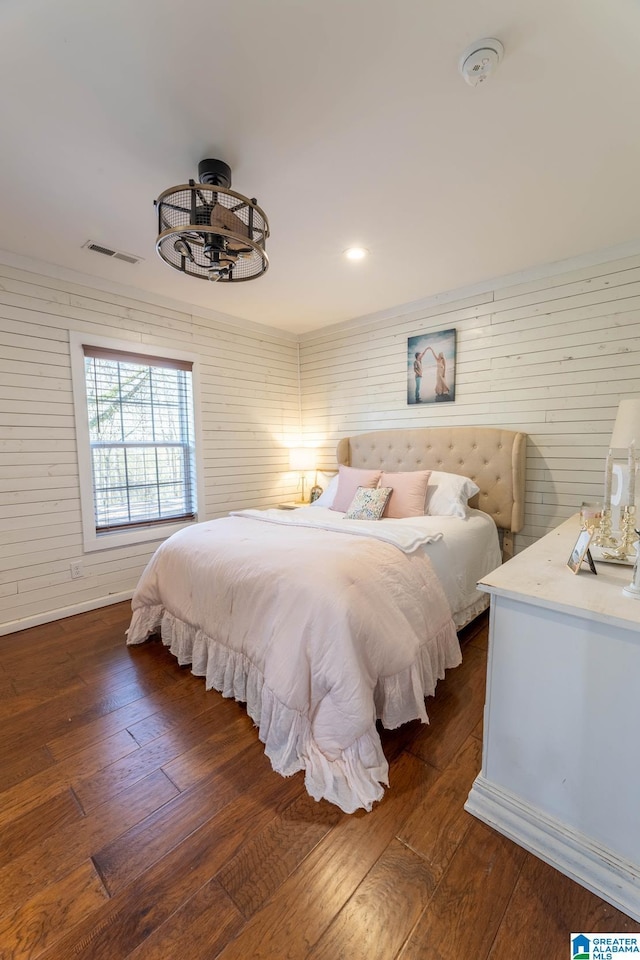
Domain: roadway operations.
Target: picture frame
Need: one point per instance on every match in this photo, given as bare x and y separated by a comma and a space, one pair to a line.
431, 367
581, 552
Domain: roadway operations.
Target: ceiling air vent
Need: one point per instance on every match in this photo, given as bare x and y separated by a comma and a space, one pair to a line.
109, 252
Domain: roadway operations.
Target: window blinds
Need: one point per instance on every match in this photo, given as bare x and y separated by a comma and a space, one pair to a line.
141, 434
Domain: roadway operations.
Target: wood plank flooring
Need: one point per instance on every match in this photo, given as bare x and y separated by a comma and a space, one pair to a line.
139, 819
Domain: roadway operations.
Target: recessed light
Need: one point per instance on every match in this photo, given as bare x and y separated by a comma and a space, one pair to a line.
356, 253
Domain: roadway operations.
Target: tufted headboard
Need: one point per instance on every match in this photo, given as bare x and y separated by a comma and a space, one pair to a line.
493, 458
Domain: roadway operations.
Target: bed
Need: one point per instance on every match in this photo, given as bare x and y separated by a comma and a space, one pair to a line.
324, 624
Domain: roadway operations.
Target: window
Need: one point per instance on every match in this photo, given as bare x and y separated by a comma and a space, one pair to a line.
139, 443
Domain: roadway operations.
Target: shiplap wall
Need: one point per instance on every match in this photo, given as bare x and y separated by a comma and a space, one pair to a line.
550, 357
249, 410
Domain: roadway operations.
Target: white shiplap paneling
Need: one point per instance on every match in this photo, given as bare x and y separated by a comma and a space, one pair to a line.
550, 356
249, 411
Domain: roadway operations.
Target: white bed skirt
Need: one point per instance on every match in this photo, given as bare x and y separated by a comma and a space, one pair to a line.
354, 779
463, 617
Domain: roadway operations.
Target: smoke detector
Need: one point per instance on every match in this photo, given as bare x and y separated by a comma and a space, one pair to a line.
480, 60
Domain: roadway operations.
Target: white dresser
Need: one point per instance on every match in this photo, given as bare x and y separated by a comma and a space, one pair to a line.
561, 755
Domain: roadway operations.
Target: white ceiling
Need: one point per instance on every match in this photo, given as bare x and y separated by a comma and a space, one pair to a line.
346, 119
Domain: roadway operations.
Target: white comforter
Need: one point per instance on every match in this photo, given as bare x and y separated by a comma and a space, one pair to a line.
317, 631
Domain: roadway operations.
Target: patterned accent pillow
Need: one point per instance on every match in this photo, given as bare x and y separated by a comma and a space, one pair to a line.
368, 504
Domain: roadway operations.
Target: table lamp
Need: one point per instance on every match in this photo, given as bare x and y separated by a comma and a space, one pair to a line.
300, 460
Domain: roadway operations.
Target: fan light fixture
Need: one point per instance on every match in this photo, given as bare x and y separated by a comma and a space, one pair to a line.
209, 231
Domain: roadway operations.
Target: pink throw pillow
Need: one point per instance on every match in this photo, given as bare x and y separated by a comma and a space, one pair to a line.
409, 493
349, 479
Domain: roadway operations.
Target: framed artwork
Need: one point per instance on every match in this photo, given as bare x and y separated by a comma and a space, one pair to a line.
431, 367
581, 552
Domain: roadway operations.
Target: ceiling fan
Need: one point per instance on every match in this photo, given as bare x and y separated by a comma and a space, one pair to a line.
209, 231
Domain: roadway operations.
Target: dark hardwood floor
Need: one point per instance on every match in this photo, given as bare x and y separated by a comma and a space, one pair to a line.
139, 818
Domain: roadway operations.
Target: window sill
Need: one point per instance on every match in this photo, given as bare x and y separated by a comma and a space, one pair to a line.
107, 541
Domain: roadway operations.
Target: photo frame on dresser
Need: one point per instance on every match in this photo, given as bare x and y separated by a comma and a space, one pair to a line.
581, 552
431, 367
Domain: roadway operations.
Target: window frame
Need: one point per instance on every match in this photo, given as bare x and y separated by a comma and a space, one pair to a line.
147, 531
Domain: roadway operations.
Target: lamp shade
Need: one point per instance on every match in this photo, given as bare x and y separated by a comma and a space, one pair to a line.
626, 429
302, 458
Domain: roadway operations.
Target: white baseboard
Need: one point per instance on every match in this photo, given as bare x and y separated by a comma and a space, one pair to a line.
590, 864
13, 626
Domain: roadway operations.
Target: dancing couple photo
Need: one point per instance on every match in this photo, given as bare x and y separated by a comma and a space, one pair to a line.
431, 367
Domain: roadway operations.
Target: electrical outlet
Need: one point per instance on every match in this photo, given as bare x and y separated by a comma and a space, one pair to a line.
77, 570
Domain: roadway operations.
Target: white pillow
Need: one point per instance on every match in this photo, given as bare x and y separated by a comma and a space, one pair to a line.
330, 486
448, 494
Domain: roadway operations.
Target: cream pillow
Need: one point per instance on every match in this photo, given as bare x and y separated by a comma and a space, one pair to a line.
409, 493
349, 479
327, 497
448, 494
